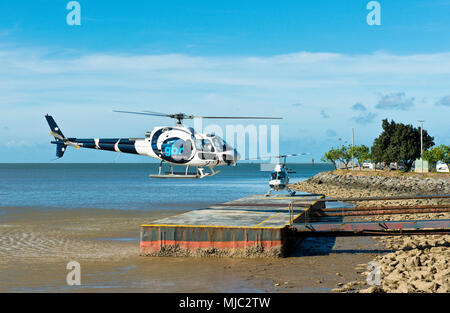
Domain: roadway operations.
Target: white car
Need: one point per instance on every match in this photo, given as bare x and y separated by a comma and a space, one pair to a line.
442, 168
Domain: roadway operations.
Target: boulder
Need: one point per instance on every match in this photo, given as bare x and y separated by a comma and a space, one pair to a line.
372, 289
424, 286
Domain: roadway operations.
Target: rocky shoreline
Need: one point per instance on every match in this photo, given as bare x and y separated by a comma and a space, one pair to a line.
393, 184
417, 263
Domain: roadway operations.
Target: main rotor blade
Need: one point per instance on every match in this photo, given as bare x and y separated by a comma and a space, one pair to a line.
157, 113
279, 156
294, 154
241, 117
184, 116
142, 113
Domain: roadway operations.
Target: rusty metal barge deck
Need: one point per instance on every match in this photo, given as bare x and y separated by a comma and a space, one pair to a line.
269, 226
255, 223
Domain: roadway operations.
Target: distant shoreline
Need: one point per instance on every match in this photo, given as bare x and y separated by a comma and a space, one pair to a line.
390, 181
150, 162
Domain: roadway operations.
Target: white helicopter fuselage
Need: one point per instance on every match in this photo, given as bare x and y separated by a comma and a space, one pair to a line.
179, 145
176, 145
279, 178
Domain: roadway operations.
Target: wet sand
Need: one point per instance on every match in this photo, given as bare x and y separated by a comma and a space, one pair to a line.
36, 245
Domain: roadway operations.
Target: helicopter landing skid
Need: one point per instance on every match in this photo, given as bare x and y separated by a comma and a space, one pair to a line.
179, 176
184, 175
290, 191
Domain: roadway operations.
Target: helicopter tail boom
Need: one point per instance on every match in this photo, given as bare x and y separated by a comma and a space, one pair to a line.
108, 144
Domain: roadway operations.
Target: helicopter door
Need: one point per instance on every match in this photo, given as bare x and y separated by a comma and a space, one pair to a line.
206, 149
281, 175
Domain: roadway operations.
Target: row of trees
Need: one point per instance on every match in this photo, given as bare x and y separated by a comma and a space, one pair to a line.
398, 143
344, 154
436, 154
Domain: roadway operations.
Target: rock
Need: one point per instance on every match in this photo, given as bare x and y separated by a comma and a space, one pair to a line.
394, 263
437, 249
372, 289
350, 286
403, 287
443, 289
442, 275
393, 277
423, 286
413, 261
420, 263
401, 267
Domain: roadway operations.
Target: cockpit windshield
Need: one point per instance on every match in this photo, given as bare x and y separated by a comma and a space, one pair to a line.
278, 175
221, 144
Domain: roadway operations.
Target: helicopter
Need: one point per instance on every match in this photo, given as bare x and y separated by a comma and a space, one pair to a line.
279, 177
175, 145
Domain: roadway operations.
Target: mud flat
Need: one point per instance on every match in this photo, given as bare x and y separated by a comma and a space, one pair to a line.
36, 244
416, 263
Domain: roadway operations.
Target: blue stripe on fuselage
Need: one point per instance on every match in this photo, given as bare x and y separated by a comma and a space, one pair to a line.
108, 144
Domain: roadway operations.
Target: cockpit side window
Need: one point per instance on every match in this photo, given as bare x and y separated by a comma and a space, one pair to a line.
218, 144
198, 144
204, 145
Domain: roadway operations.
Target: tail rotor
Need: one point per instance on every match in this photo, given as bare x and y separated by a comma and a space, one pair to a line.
56, 132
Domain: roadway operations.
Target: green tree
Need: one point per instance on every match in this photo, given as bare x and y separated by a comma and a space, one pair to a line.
400, 143
439, 153
446, 158
434, 154
361, 153
345, 154
383, 142
332, 156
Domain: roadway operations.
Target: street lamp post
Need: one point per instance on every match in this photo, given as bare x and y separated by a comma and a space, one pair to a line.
339, 147
421, 143
353, 144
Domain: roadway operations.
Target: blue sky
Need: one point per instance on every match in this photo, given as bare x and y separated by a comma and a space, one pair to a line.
315, 63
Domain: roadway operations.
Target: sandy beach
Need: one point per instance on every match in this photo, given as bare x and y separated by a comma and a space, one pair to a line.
36, 245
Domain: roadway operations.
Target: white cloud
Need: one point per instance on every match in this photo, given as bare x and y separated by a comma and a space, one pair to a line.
395, 101
82, 88
324, 114
365, 118
444, 101
330, 133
300, 70
358, 107
19, 143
